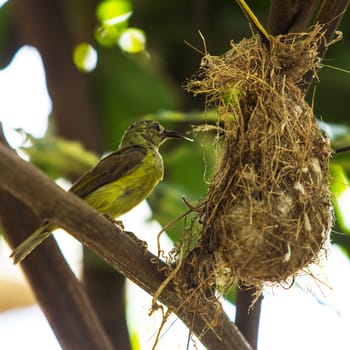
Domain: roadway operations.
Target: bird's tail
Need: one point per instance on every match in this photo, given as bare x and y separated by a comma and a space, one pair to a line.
26, 247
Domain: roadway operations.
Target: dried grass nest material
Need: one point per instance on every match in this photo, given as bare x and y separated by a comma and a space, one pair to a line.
268, 213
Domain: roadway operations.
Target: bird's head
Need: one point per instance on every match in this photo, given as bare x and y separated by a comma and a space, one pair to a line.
148, 133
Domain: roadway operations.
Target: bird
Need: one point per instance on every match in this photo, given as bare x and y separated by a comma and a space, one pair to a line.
118, 182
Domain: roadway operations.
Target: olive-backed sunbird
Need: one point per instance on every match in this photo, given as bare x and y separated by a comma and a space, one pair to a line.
119, 181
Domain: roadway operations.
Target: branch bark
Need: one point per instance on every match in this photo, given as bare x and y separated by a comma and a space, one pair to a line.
60, 295
285, 17
330, 15
47, 200
247, 317
46, 25
290, 16
294, 16
58, 292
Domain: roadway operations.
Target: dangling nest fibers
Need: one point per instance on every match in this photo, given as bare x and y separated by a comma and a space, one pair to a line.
268, 213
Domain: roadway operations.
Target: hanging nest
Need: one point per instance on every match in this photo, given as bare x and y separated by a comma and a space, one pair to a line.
267, 215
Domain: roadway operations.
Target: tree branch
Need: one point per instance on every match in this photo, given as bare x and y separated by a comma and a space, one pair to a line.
66, 210
330, 15
46, 25
290, 16
60, 295
43, 24
247, 317
285, 17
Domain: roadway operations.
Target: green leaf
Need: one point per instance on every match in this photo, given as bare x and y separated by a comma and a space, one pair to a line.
58, 157
341, 194
113, 12
85, 57
132, 40
126, 90
231, 295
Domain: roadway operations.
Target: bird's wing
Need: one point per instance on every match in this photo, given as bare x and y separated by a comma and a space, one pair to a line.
109, 169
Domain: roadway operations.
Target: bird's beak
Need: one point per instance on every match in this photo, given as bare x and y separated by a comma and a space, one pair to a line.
175, 135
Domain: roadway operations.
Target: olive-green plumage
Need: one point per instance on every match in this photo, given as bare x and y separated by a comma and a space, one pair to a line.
118, 182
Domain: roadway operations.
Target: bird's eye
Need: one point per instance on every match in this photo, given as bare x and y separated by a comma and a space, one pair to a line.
157, 127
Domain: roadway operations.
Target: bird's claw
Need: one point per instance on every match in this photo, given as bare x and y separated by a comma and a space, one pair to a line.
119, 223
140, 242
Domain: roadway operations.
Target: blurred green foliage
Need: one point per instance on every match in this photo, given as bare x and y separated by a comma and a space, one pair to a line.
58, 157
85, 57
113, 30
339, 186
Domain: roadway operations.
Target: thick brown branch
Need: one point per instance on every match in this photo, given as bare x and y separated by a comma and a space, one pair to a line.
43, 24
60, 295
290, 16
27, 183
329, 15
294, 16
248, 315
57, 290
46, 25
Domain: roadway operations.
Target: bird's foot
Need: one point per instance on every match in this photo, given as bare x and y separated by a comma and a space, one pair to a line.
140, 242
119, 223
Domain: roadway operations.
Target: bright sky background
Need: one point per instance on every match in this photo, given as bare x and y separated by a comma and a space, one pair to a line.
308, 316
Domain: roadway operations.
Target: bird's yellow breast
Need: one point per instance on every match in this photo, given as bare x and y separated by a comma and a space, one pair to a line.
118, 197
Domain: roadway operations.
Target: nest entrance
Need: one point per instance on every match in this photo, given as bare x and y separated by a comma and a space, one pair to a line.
267, 213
